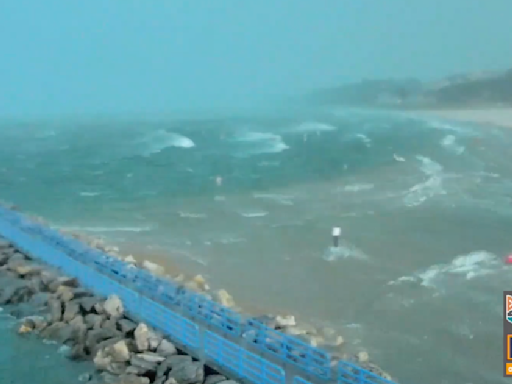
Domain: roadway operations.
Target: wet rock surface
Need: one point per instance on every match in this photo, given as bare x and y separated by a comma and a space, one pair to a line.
123, 350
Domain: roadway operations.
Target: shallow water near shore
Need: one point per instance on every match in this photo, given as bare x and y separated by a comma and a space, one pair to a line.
28, 360
424, 206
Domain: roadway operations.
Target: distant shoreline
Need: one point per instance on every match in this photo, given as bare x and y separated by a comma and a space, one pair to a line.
501, 117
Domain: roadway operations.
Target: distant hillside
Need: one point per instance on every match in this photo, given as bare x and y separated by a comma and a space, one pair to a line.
469, 90
465, 90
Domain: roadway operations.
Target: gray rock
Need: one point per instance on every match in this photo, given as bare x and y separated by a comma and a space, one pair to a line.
96, 336
89, 303
108, 378
62, 281
113, 306
228, 382
55, 307
104, 345
36, 283
93, 320
77, 353
188, 373
12, 290
65, 294
80, 293
110, 323
77, 320
141, 335
150, 357
24, 268
166, 348
143, 364
98, 307
47, 277
34, 322
133, 379
26, 309
214, 379
60, 331
40, 299
4, 258
133, 370
160, 380
126, 325
117, 368
154, 340
171, 363
22, 295
104, 362
72, 309
118, 351
16, 257
79, 330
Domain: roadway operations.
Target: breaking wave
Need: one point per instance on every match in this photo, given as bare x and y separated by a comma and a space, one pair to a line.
156, 142
253, 143
473, 265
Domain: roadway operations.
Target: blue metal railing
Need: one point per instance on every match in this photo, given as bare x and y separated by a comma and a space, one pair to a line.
179, 312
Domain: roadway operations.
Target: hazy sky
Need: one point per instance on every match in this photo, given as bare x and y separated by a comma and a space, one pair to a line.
116, 57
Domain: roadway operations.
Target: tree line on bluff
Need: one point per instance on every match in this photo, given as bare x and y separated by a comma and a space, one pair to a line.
465, 90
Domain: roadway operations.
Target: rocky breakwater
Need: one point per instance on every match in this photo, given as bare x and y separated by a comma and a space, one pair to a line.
324, 338
56, 308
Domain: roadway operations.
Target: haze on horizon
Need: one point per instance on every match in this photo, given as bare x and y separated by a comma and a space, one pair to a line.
63, 58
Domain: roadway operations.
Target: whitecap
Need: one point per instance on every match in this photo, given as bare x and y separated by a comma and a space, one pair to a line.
358, 187
432, 186
268, 164
157, 141
89, 194
446, 126
192, 215
450, 144
230, 240
345, 250
46, 134
253, 143
312, 126
255, 136
470, 266
64, 349
281, 199
365, 139
253, 214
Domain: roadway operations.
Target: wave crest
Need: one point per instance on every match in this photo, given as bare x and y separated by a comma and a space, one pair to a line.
157, 141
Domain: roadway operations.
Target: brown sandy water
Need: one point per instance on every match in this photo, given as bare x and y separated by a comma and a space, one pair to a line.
425, 216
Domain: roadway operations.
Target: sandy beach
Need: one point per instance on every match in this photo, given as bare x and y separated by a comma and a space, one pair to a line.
495, 116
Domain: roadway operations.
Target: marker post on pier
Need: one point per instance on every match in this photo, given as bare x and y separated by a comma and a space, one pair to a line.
336, 233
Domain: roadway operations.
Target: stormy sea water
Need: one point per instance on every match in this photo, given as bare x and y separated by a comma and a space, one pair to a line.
28, 360
249, 202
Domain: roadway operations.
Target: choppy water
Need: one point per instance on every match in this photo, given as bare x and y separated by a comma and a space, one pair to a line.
425, 208
28, 360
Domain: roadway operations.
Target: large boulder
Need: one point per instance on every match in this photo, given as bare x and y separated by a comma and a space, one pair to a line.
14, 290
146, 339
113, 306
166, 348
188, 373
